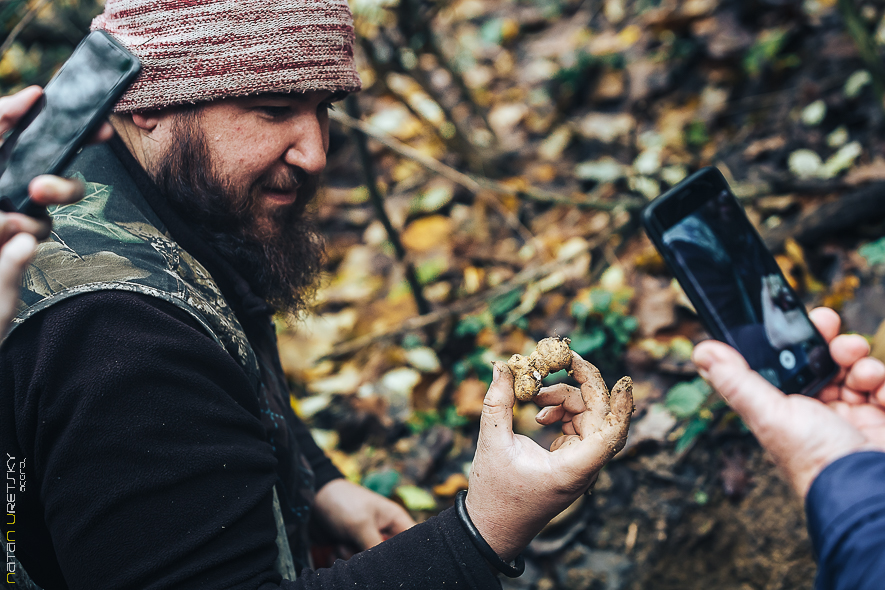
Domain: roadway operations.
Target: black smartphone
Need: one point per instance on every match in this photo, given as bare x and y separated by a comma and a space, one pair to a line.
73, 106
735, 284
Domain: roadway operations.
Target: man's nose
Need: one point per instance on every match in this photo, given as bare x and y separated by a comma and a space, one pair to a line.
309, 144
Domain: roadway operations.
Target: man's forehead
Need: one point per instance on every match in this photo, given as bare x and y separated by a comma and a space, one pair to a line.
331, 96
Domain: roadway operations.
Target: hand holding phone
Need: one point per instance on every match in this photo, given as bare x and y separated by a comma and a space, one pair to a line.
64, 117
19, 233
804, 434
736, 286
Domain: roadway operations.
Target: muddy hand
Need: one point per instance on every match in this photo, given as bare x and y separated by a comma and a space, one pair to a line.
516, 486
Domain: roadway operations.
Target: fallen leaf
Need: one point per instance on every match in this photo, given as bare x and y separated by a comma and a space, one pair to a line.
427, 233
763, 146
453, 484
382, 482
686, 398
468, 398
655, 306
655, 425
872, 172
416, 498
605, 127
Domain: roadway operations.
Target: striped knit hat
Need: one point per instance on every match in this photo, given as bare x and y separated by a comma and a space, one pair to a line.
197, 50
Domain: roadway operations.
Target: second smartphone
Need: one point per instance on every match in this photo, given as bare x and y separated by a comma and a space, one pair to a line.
73, 106
735, 284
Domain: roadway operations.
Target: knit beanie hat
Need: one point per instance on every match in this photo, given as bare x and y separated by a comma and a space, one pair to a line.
198, 50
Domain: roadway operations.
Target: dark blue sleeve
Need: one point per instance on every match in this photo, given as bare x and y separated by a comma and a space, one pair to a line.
846, 520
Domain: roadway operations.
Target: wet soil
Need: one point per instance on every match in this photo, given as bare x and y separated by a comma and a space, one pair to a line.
720, 517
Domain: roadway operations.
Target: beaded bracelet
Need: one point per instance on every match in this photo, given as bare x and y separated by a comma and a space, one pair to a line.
510, 570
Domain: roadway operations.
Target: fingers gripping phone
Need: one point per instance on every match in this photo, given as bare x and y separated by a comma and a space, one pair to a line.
73, 106
735, 284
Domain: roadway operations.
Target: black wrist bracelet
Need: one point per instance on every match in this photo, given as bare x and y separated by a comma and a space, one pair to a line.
511, 571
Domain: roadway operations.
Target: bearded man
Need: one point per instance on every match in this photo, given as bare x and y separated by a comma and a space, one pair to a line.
140, 388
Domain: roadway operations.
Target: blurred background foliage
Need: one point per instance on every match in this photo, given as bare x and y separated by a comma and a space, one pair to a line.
483, 192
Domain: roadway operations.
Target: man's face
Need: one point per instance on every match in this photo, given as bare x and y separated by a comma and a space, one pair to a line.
268, 145
242, 172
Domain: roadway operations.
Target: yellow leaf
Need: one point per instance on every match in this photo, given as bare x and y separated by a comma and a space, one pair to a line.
630, 35
454, 484
427, 233
787, 265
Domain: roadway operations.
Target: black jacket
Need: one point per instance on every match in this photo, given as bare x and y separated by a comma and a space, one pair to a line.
145, 462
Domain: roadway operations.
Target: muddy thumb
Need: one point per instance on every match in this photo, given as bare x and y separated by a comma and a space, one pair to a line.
496, 422
745, 390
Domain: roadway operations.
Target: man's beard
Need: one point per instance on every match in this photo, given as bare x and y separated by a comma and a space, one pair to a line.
279, 252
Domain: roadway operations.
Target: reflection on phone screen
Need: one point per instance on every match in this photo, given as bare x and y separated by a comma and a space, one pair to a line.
742, 286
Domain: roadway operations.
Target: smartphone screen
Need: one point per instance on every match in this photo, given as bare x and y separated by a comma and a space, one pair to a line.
73, 104
735, 284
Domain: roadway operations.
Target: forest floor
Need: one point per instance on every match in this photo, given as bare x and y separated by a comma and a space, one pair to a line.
512, 145
597, 107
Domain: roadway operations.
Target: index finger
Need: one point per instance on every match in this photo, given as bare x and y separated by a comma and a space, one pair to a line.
586, 373
13, 108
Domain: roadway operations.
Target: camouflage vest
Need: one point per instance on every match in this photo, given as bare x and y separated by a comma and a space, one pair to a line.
102, 243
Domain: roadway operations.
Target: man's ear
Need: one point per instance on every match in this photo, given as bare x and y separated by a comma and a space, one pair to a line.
146, 121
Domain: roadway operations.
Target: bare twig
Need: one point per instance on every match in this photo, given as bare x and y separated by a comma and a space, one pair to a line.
457, 143
415, 26
378, 204
477, 184
434, 165
24, 22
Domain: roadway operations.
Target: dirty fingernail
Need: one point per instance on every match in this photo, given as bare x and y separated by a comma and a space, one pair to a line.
496, 372
542, 414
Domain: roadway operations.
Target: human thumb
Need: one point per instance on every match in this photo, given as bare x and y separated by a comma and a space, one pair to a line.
745, 390
496, 421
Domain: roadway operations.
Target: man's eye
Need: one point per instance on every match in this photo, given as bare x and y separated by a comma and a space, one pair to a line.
274, 111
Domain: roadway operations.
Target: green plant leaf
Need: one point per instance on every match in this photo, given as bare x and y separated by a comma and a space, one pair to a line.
580, 311
452, 419
686, 398
470, 326
874, 252
764, 50
600, 300
693, 430
429, 271
416, 498
382, 482
504, 303
697, 134
584, 344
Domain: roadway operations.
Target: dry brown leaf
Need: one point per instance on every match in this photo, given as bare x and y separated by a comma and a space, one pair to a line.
468, 398
611, 86
655, 305
762, 146
872, 172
